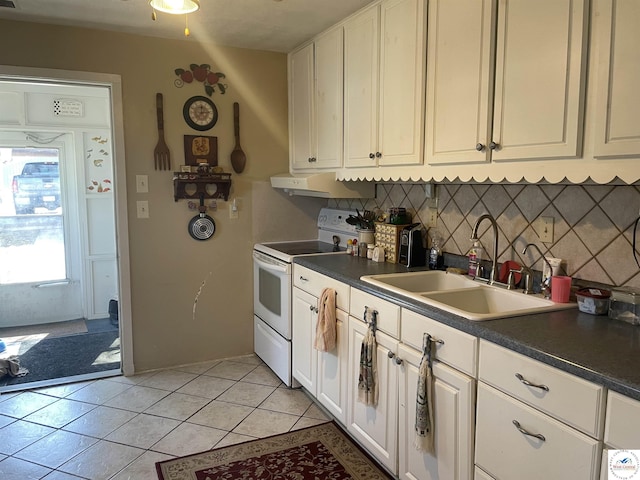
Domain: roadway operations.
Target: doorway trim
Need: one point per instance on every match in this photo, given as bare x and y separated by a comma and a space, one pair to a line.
114, 83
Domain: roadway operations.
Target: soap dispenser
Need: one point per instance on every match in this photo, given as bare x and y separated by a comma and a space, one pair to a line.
475, 255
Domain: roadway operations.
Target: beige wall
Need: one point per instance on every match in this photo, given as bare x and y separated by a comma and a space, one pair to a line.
168, 267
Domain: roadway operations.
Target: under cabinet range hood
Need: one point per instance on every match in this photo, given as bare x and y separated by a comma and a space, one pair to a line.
323, 185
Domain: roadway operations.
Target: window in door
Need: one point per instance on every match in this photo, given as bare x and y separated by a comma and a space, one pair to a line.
32, 239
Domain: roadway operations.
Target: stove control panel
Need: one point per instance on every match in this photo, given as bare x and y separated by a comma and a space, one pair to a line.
336, 220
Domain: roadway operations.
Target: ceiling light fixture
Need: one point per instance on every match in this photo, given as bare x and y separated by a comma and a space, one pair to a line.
175, 7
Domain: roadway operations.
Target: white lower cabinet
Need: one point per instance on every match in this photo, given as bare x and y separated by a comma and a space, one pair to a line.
454, 406
322, 374
376, 428
525, 426
515, 441
622, 425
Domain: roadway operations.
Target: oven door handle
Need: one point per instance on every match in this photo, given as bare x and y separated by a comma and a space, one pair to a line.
269, 266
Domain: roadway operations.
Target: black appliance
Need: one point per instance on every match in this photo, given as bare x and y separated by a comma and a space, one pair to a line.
412, 250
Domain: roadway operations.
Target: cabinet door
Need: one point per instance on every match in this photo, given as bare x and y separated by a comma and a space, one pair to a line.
361, 89
617, 116
540, 78
402, 86
328, 99
304, 356
454, 404
301, 108
459, 83
331, 389
376, 428
556, 451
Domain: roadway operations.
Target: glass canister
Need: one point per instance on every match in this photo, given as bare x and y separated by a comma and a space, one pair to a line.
625, 305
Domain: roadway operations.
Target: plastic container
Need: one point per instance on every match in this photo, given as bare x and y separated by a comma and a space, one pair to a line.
593, 300
625, 305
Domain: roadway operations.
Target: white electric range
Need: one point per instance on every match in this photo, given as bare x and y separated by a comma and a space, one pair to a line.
272, 284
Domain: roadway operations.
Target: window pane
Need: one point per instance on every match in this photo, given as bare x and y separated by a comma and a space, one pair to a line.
32, 243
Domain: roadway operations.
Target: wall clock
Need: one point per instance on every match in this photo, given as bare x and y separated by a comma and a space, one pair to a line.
200, 113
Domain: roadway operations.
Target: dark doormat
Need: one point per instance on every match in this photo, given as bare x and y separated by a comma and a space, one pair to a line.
51, 358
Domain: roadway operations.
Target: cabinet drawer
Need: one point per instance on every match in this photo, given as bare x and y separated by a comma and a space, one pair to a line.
313, 282
622, 427
505, 452
458, 350
388, 313
568, 398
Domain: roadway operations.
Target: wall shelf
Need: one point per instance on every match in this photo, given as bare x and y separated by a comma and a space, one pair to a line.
191, 186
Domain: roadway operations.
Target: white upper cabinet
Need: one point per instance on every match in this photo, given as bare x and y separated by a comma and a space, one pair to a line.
617, 119
316, 103
459, 88
361, 89
536, 71
384, 84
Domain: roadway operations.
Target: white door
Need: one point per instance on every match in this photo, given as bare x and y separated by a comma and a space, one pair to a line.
41, 260
331, 384
403, 48
361, 40
454, 405
376, 428
302, 142
459, 81
304, 356
328, 99
540, 78
618, 97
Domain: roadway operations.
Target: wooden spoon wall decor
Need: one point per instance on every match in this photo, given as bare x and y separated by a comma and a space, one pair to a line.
238, 158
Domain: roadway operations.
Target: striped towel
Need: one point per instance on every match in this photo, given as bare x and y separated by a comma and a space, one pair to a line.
325, 340
368, 378
424, 439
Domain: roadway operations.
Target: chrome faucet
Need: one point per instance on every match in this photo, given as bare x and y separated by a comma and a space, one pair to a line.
474, 236
546, 282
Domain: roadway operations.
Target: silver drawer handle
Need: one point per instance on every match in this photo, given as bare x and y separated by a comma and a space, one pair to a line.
529, 384
539, 436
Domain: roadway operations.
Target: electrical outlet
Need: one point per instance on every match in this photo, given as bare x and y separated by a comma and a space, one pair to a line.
432, 218
142, 184
233, 210
142, 207
545, 229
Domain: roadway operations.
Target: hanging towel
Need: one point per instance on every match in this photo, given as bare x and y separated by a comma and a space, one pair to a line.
325, 340
424, 439
368, 378
11, 366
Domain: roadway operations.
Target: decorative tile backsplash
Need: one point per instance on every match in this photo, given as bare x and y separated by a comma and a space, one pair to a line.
593, 224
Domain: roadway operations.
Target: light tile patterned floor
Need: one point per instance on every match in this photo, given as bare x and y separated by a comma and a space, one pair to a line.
117, 428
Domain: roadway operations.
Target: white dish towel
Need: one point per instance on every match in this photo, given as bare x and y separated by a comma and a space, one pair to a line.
325, 339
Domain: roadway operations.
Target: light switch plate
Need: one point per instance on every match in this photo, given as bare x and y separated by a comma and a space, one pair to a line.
545, 229
142, 207
142, 184
432, 218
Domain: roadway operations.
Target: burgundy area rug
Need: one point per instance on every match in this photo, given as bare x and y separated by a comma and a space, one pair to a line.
315, 453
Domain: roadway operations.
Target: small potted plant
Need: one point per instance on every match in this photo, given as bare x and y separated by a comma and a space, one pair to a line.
365, 226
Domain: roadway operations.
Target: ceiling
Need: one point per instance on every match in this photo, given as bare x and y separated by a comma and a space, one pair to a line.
275, 25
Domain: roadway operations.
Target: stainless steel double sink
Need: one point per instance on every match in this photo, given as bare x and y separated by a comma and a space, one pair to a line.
463, 296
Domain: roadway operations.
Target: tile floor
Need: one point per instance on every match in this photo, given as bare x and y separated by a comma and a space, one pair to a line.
117, 428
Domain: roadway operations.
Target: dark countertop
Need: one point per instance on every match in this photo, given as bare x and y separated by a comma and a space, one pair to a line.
596, 348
